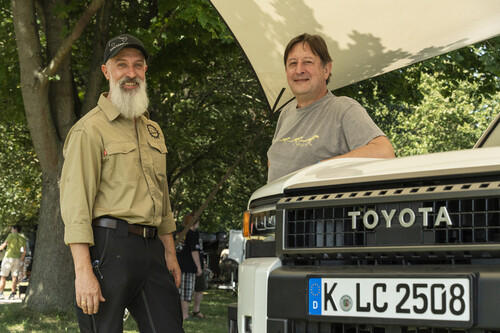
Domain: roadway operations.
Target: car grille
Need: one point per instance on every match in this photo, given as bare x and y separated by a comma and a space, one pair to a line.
337, 223
475, 221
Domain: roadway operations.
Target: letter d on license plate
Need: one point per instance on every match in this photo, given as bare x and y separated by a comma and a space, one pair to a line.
315, 296
440, 299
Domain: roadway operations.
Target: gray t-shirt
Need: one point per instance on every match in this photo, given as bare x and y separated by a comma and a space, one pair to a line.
327, 128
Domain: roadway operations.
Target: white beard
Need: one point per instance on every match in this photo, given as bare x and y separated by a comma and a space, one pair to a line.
130, 104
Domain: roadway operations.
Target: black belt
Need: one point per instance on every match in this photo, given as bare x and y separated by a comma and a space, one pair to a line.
141, 230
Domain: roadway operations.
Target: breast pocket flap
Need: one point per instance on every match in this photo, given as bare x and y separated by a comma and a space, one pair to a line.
158, 145
120, 148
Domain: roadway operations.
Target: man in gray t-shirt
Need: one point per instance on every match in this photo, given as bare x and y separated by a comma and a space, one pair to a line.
317, 125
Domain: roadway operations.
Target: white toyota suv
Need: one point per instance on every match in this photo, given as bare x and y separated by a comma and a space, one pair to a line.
410, 244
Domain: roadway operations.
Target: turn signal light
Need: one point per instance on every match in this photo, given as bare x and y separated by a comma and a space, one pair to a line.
246, 224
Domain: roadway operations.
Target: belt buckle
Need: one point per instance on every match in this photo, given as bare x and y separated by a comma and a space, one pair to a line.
148, 232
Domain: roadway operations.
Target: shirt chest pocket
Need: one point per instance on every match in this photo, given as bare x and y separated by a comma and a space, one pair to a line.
159, 154
121, 162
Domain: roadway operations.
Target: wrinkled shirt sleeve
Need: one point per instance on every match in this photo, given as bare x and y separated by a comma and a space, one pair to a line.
78, 185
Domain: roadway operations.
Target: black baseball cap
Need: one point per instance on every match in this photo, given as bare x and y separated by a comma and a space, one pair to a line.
116, 44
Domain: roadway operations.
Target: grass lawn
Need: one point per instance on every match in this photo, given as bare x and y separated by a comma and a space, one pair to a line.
16, 318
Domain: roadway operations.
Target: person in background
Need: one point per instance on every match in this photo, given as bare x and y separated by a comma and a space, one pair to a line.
318, 125
115, 205
200, 283
14, 256
188, 255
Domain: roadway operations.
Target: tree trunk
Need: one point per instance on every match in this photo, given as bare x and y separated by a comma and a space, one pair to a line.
60, 90
52, 268
95, 76
49, 116
52, 280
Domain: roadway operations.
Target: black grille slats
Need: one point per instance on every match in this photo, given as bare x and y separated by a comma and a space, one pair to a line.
474, 221
450, 221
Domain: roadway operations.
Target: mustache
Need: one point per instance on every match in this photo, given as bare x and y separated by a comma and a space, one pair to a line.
127, 79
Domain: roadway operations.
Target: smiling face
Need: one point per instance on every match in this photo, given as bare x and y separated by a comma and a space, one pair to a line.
126, 73
306, 74
127, 65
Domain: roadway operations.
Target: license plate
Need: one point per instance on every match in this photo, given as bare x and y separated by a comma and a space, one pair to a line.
440, 299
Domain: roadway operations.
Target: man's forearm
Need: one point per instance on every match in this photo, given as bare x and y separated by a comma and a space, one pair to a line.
171, 257
81, 258
168, 243
380, 147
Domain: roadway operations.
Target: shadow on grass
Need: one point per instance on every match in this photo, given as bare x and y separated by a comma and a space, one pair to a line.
17, 318
214, 307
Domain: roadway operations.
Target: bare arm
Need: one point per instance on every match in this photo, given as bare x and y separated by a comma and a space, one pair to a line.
3, 246
24, 252
171, 258
196, 259
87, 288
380, 147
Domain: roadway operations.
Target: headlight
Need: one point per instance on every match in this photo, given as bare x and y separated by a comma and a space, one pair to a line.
263, 221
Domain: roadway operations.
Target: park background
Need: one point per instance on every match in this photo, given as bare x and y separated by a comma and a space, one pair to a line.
205, 96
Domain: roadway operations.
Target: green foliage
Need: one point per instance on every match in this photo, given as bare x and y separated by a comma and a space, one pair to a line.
440, 123
20, 178
10, 94
477, 64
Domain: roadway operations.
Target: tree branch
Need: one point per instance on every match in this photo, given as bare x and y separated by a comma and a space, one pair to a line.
166, 25
214, 191
65, 48
178, 172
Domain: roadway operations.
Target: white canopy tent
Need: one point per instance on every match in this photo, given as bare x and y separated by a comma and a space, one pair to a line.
366, 38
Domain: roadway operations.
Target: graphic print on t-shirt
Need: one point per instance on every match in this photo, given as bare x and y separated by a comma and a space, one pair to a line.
300, 141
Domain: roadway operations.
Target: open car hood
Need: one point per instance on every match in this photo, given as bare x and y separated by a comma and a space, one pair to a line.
366, 38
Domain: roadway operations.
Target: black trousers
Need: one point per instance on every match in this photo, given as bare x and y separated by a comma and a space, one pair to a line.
133, 274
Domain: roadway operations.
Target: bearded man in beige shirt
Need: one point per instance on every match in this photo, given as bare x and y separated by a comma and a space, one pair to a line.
115, 205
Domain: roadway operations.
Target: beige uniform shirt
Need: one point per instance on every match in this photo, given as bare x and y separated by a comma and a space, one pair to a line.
113, 168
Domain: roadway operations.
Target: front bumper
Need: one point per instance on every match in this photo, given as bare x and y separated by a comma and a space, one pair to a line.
253, 277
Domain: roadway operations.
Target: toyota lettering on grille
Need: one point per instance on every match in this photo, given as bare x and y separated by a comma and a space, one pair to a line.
405, 217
